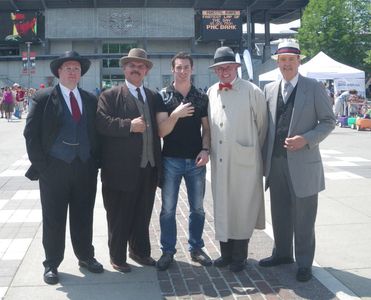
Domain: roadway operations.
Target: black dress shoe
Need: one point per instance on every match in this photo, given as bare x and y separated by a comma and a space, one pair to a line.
91, 265
51, 275
165, 261
146, 261
304, 274
222, 262
237, 266
123, 268
201, 257
275, 261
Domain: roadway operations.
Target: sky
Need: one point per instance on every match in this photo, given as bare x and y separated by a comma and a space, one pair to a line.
259, 28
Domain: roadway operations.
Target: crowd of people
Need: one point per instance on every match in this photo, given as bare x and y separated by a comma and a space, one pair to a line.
14, 101
244, 132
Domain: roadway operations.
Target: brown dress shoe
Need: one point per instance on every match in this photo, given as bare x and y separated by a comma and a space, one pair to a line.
145, 261
123, 268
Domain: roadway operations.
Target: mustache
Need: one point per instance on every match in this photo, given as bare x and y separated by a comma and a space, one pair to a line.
135, 72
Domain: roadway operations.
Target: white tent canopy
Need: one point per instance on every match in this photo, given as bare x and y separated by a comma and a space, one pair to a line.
320, 67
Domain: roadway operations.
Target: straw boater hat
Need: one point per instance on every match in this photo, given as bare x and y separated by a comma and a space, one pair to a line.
288, 47
224, 55
68, 56
138, 55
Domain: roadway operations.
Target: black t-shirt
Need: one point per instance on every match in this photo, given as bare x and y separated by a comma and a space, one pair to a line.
185, 141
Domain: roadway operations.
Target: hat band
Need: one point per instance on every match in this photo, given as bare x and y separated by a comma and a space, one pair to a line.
224, 58
291, 50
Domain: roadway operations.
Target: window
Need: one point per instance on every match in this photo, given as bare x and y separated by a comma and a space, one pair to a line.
115, 49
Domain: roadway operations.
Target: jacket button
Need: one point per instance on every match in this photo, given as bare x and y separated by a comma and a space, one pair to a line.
220, 142
221, 124
220, 159
223, 106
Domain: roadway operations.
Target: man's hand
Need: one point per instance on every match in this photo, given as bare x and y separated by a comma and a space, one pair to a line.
184, 110
202, 158
295, 143
138, 124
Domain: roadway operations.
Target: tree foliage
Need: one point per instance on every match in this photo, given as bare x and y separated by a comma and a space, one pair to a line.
340, 28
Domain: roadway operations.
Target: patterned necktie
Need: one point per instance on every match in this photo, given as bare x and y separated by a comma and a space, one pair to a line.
225, 86
287, 89
76, 114
140, 97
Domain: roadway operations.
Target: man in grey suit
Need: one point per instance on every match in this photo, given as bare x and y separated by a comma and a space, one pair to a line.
300, 117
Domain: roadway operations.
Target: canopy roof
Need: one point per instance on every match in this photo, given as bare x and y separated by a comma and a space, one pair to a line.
280, 11
320, 67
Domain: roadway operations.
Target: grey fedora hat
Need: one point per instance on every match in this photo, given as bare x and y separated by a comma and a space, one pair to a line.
68, 56
224, 55
136, 54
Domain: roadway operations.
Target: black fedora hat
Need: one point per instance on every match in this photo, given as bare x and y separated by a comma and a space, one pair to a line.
68, 56
224, 55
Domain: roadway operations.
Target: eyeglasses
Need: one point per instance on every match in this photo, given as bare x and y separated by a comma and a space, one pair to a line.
71, 69
222, 69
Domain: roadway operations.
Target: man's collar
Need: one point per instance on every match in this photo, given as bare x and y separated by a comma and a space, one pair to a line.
65, 90
132, 86
293, 81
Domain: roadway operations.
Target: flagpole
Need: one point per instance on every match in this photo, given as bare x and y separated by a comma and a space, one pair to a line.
28, 64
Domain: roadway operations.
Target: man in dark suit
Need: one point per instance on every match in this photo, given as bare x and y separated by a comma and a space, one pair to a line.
63, 148
131, 161
300, 117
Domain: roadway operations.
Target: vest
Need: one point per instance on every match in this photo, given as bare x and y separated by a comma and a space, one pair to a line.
72, 140
147, 136
283, 119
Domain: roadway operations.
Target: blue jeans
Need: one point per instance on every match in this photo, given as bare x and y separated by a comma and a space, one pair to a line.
173, 171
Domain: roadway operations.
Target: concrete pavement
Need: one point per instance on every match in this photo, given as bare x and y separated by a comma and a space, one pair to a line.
343, 242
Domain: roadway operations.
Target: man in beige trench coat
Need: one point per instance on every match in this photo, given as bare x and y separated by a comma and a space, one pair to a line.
238, 124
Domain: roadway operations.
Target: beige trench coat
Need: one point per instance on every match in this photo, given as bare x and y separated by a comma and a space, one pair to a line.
238, 123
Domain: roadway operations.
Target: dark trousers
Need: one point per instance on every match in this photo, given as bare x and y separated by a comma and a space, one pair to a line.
293, 218
128, 216
236, 250
63, 187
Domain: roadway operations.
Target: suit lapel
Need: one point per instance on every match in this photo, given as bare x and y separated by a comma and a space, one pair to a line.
300, 97
273, 102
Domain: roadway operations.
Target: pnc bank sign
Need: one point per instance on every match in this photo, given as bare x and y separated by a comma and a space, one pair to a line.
221, 25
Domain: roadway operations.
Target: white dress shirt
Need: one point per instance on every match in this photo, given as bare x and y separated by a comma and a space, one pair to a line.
66, 95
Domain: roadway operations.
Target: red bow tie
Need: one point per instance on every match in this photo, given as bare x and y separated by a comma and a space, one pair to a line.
225, 86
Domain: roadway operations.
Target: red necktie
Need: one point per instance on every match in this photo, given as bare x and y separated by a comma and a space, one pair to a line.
76, 114
225, 86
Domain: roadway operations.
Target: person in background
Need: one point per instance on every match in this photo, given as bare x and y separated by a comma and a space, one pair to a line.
238, 124
8, 103
131, 161
184, 126
63, 147
300, 117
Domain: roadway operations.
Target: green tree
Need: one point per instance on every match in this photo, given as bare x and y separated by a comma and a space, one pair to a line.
340, 28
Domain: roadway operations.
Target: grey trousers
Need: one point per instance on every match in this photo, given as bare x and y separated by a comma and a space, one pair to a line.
292, 217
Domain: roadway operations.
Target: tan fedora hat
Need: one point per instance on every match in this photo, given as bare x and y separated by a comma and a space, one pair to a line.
136, 54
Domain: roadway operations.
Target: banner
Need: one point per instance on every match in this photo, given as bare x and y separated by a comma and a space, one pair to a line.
350, 84
32, 62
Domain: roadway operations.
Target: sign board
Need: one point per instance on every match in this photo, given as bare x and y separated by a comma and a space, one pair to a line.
20, 27
221, 25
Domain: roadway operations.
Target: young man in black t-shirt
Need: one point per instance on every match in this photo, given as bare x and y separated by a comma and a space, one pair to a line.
181, 115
